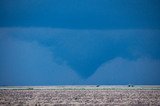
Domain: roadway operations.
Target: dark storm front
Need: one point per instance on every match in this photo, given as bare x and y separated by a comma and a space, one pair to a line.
79, 42
105, 58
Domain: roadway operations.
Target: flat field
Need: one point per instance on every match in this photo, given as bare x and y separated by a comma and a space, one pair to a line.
80, 95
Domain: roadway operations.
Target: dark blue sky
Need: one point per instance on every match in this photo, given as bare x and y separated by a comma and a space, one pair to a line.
83, 14
79, 42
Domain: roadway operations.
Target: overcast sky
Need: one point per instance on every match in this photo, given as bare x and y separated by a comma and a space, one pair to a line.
50, 42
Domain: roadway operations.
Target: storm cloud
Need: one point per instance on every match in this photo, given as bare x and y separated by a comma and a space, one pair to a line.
47, 54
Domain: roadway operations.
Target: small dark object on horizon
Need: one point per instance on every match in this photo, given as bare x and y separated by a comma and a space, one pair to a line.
130, 85
97, 85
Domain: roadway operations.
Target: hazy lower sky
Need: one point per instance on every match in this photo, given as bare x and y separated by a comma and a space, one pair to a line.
56, 42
